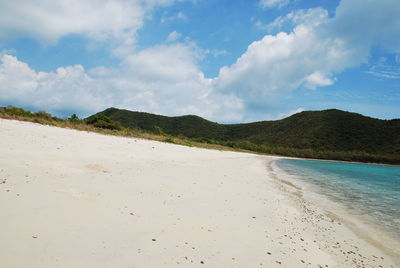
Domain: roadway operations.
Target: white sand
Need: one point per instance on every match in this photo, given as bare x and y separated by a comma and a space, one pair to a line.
78, 199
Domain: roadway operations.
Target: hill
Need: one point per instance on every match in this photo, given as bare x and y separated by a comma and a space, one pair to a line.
188, 125
328, 134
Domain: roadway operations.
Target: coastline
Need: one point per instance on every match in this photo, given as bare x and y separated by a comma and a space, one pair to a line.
342, 161
79, 199
363, 226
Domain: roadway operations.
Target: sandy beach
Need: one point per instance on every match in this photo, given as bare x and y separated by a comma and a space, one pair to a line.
76, 199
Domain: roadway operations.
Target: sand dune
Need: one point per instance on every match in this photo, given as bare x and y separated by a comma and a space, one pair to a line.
78, 199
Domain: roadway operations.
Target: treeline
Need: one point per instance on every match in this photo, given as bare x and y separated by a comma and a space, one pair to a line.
353, 156
329, 134
99, 123
43, 117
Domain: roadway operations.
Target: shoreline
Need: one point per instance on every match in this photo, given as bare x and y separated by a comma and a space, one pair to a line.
341, 161
366, 228
80, 199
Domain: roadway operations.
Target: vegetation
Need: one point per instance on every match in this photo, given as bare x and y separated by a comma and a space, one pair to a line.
329, 134
102, 121
188, 126
96, 124
74, 118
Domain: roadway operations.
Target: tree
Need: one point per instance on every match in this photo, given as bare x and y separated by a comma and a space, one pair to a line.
74, 118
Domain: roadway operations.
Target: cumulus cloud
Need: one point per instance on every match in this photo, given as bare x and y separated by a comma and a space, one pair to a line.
278, 64
317, 79
167, 79
47, 21
161, 79
114, 21
368, 23
68, 88
316, 49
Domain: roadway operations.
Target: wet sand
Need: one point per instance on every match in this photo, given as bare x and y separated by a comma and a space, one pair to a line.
77, 199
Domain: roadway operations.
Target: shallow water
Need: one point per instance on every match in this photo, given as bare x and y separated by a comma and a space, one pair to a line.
368, 191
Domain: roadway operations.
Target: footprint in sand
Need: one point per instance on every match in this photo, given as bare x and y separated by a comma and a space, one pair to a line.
97, 168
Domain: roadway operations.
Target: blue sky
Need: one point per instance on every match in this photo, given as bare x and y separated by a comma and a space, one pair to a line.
228, 61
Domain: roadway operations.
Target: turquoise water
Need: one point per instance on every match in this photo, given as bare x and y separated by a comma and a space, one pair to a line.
366, 190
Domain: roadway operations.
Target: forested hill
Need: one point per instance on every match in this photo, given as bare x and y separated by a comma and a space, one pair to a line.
328, 134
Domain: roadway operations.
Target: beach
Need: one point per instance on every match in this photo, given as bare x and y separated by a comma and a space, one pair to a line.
77, 199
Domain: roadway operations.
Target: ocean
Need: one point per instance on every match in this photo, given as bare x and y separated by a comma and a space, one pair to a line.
370, 192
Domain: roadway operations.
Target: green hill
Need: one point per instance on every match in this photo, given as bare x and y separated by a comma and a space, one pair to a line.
328, 134
188, 125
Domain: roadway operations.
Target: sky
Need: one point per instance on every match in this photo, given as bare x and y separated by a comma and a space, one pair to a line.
228, 61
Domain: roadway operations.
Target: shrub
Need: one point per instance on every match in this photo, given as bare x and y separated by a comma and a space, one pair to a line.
182, 137
74, 118
158, 130
169, 140
43, 114
11, 110
102, 121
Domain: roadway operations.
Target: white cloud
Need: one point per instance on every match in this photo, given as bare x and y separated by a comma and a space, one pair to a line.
317, 79
162, 79
68, 88
173, 36
113, 21
47, 21
368, 22
167, 79
278, 64
274, 3
385, 69
290, 113
316, 49
178, 16
214, 52
309, 17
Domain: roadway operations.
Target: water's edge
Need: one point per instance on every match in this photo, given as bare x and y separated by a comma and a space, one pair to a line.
364, 227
